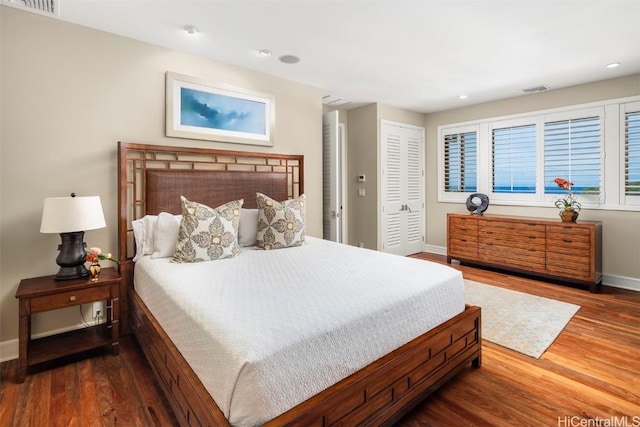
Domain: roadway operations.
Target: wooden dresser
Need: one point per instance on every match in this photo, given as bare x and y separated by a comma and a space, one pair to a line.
570, 252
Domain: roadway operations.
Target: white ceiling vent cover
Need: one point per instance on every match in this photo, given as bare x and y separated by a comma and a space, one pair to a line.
43, 7
334, 101
535, 89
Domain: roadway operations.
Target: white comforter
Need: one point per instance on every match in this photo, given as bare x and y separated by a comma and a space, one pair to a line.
268, 329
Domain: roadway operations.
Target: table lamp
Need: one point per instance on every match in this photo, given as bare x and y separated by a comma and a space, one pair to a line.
71, 216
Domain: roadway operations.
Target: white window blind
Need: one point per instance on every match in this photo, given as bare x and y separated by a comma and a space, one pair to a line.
572, 151
461, 162
513, 152
632, 153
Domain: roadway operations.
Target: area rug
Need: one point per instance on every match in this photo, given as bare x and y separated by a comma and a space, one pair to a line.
525, 323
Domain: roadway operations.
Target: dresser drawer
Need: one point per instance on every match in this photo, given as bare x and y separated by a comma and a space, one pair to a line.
69, 298
505, 256
511, 231
463, 248
463, 225
563, 240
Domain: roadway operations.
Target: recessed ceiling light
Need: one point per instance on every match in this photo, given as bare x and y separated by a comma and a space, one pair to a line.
463, 97
289, 59
613, 65
265, 52
191, 29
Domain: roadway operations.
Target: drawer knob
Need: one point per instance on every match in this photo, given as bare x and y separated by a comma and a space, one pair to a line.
72, 298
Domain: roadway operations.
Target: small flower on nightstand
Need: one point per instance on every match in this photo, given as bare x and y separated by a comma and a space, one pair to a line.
95, 255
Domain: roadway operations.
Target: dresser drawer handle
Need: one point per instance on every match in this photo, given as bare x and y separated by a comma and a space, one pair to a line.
567, 240
532, 237
72, 298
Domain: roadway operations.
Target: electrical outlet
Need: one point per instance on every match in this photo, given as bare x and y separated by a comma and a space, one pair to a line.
361, 245
97, 309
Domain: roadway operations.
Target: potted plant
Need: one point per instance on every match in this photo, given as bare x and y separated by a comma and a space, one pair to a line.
568, 205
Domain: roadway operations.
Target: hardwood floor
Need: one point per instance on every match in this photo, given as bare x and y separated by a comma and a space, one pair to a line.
589, 377
591, 372
102, 390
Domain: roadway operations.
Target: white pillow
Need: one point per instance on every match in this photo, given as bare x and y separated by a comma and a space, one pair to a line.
248, 230
280, 225
143, 232
207, 233
166, 235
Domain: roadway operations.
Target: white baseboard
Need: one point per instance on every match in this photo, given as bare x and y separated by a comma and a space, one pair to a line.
438, 250
9, 349
622, 282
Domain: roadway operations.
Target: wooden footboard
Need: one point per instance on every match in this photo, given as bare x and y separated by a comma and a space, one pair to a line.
378, 394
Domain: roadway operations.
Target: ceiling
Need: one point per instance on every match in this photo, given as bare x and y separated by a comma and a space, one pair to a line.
418, 55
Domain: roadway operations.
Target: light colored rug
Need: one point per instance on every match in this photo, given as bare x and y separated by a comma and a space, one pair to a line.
522, 322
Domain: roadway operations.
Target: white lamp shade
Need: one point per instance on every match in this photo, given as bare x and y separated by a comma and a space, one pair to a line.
70, 214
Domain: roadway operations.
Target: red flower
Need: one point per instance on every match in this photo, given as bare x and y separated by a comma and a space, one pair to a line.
563, 183
91, 257
95, 255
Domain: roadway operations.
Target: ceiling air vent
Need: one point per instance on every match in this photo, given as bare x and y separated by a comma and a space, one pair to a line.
535, 89
43, 7
334, 101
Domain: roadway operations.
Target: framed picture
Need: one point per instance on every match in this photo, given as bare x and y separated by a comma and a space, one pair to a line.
197, 109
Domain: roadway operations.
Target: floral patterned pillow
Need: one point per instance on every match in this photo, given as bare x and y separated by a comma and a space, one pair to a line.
206, 233
280, 225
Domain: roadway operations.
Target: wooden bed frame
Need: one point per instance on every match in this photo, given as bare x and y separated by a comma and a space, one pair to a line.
378, 394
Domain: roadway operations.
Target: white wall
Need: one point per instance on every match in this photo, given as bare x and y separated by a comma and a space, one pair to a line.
69, 93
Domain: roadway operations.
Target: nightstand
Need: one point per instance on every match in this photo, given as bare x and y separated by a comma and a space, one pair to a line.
44, 294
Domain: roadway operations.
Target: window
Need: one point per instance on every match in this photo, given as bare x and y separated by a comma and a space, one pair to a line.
513, 152
515, 159
632, 153
460, 162
572, 151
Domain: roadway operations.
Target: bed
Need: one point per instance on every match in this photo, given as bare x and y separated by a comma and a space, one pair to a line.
419, 355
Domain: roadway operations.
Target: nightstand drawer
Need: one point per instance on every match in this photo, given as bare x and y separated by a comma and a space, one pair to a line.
69, 298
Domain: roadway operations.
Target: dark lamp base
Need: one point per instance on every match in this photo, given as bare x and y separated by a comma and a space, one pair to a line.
71, 258
70, 273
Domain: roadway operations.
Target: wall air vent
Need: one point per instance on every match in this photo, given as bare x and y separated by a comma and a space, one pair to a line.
43, 7
334, 101
535, 89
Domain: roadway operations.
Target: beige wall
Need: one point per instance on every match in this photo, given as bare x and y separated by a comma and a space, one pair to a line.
621, 230
362, 157
69, 94
363, 148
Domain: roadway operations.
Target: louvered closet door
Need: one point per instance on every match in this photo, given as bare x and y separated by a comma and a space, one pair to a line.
402, 175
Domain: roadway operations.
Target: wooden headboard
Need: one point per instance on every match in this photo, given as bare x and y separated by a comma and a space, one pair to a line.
151, 179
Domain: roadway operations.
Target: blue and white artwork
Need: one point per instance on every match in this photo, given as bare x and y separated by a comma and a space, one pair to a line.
197, 109
228, 113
